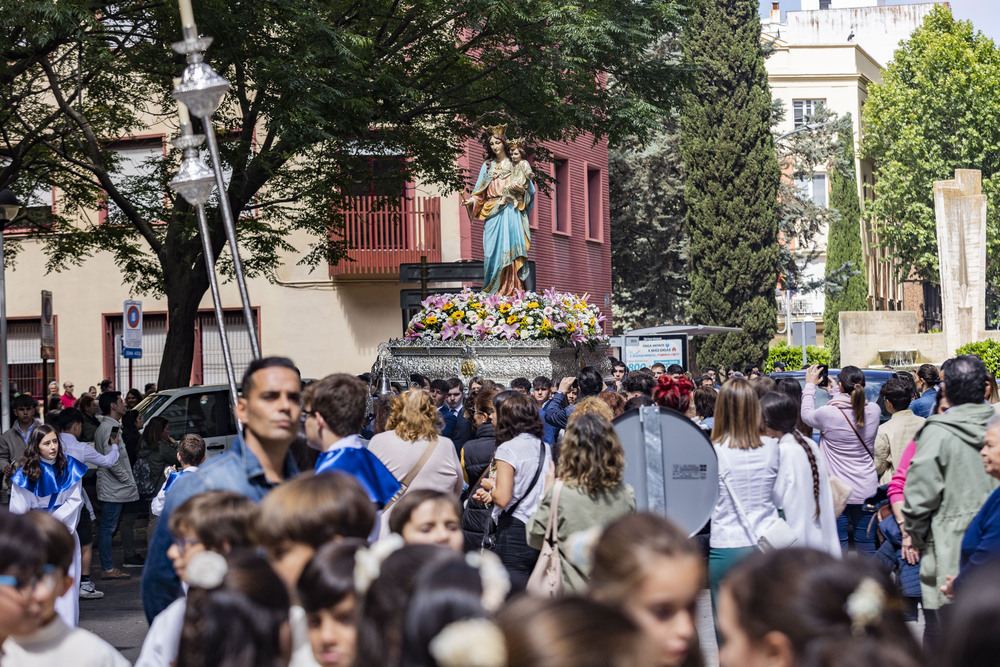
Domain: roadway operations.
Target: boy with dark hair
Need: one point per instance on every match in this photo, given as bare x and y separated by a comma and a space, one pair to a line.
14, 440
894, 435
541, 390
190, 455
658, 370
334, 411
675, 370
53, 642
639, 384
522, 385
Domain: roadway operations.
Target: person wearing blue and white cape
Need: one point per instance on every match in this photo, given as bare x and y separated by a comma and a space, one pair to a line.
503, 198
50, 481
334, 413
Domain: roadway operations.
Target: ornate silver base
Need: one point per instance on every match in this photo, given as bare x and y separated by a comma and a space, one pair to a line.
497, 360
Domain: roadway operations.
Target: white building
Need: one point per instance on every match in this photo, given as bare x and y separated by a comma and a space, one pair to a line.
827, 55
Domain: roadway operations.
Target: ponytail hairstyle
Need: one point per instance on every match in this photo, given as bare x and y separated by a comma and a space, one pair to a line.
32, 460
852, 381
238, 614
780, 412
928, 373
673, 393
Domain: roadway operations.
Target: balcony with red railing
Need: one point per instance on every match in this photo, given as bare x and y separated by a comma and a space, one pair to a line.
384, 232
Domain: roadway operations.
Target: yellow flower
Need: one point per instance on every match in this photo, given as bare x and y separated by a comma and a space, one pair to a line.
458, 314
504, 307
431, 320
512, 319
533, 304
475, 305
448, 306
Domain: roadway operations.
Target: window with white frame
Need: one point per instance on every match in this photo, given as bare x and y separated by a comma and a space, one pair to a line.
813, 189
804, 110
134, 173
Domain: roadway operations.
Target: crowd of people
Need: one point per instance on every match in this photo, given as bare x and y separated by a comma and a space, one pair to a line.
469, 524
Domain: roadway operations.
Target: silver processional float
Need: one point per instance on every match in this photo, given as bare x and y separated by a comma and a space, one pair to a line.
200, 90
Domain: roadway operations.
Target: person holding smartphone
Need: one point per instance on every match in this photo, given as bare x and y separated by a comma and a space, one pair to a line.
115, 486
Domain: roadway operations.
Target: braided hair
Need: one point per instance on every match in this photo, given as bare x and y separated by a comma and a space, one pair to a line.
780, 412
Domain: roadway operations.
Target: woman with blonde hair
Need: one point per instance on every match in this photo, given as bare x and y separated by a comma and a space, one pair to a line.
592, 405
748, 470
589, 487
413, 450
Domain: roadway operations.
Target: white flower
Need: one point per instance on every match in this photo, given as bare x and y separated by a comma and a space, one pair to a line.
206, 570
865, 605
529, 320
472, 317
493, 576
368, 562
476, 642
524, 333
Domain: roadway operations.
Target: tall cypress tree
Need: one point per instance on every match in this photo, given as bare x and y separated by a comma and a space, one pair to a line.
649, 244
731, 184
844, 248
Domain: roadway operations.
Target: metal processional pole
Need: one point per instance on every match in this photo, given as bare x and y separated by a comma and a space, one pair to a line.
201, 89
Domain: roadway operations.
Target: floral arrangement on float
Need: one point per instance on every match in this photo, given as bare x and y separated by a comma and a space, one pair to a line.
469, 316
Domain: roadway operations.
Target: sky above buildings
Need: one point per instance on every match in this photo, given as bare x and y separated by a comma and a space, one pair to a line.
984, 14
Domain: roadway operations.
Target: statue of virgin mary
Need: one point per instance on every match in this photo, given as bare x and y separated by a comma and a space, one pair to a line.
502, 199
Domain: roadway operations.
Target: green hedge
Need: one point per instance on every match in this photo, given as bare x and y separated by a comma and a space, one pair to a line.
987, 350
792, 356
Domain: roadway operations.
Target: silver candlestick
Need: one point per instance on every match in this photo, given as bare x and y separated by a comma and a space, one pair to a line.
194, 182
201, 90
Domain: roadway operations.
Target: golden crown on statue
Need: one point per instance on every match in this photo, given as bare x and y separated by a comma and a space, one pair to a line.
497, 130
516, 143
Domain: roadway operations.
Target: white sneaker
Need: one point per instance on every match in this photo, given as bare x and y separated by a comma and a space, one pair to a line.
89, 592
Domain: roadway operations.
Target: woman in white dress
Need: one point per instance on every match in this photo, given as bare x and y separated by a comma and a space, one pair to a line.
802, 489
49, 481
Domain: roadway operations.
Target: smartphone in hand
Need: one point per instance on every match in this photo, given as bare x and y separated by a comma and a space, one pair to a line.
824, 376
114, 434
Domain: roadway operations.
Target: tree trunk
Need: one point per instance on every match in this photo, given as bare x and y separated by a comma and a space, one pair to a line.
184, 290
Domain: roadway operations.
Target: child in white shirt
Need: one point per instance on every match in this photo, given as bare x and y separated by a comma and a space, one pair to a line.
218, 521
54, 642
190, 455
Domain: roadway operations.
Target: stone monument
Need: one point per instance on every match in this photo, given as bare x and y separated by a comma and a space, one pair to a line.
960, 210
876, 337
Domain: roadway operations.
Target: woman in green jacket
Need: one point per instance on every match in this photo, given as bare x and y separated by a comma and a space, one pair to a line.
592, 494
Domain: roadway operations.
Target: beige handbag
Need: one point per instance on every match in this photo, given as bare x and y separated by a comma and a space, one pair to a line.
546, 577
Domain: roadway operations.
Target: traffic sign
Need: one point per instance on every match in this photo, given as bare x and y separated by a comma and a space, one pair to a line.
48, 327
132, 329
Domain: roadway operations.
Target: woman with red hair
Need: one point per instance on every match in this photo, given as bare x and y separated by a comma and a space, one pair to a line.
674, 393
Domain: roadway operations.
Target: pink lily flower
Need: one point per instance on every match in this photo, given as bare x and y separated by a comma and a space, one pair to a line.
509, 331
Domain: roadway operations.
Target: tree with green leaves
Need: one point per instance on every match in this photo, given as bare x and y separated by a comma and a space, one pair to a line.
731, 185
936, 109
324, 93
649, 242
843, 248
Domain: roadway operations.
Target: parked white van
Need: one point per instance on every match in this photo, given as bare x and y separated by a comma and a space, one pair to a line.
204, 410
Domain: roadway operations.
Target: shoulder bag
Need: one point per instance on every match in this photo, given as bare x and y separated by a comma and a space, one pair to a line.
410, 476
503, 521
777, 535
546, 577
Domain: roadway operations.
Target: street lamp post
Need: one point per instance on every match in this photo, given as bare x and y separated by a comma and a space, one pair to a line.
9, 207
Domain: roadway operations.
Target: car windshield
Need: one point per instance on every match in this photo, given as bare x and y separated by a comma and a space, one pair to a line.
149, 405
